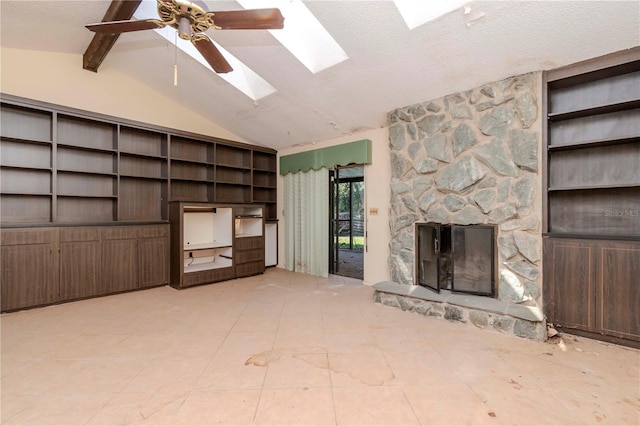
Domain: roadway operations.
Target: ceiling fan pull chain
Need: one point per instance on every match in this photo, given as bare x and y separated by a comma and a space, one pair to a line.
175, 64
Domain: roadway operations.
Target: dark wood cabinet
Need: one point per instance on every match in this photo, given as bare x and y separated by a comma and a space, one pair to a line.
27, 258
592, 197
249, 237
213, 242
41, 266
153, 256
264, 183
80, 254
592, 285
100, 189
119, 264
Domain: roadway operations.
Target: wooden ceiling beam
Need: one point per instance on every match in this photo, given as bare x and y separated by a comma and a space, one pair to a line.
101, 44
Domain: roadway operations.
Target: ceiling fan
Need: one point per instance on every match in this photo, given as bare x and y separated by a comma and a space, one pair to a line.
192, 19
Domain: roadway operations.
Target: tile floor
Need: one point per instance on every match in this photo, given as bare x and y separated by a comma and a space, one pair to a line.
286, 348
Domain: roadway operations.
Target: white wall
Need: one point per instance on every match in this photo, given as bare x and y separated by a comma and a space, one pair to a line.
59, 79
377, 195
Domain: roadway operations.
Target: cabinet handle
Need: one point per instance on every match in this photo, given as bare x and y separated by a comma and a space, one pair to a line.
436, 246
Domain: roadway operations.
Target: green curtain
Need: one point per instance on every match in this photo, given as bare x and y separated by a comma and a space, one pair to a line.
358, 152
306, 216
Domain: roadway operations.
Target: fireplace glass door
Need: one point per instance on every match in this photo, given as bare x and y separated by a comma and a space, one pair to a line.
456, 258
473, 265
427, 262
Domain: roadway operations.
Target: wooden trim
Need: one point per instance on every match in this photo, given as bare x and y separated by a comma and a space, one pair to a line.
101, 44
623, 58
545, 153
602, 337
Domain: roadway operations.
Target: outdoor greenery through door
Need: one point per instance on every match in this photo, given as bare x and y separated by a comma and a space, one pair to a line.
347, 239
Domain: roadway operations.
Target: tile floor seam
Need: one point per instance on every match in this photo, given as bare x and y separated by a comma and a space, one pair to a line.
226, 336
264, 379
333, 398
410, 405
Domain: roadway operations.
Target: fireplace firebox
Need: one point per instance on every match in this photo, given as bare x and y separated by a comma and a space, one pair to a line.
456, 258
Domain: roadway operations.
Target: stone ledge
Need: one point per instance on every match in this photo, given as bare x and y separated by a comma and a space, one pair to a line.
528, 313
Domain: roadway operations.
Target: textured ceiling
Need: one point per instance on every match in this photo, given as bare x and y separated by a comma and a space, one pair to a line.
389, 66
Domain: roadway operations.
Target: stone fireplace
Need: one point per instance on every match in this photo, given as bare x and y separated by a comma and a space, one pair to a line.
469, 159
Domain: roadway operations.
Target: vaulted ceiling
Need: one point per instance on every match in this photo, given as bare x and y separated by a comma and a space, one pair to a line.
388, 65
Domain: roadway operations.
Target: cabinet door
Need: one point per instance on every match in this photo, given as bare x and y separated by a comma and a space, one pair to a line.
153, 261
119, 266
569, 283
79, 263
619, 290
79, 270
28, 269
271, 244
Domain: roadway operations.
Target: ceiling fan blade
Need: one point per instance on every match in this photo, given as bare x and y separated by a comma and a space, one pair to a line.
211, 54
117, 27
254, 19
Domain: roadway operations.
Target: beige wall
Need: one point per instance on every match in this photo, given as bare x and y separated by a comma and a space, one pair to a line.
377, 194
59, 79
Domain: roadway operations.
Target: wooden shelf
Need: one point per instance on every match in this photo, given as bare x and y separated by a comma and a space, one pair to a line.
129, 176
205, 266
86, 148
118, 170
591, 236
86, 172
113, 197
594, 110
268, 171
594, 187
20, 123
264, 162
203, 246
136, 154
233, 156
27, 194
222, 182
592, 155
25, 141
142, 142
594, 143
85, 133
40, 169
232, 166
192, 180
184, 160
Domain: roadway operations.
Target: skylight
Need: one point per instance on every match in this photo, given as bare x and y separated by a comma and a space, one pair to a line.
242, 77
416, 13
303, 35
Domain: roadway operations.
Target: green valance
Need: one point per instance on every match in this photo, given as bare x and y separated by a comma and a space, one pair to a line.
358, 152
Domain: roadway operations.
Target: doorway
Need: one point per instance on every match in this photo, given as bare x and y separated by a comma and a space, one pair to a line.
346, 224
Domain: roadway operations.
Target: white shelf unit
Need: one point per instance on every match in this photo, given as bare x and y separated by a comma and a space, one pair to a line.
248, 222
207, 238
204, 259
